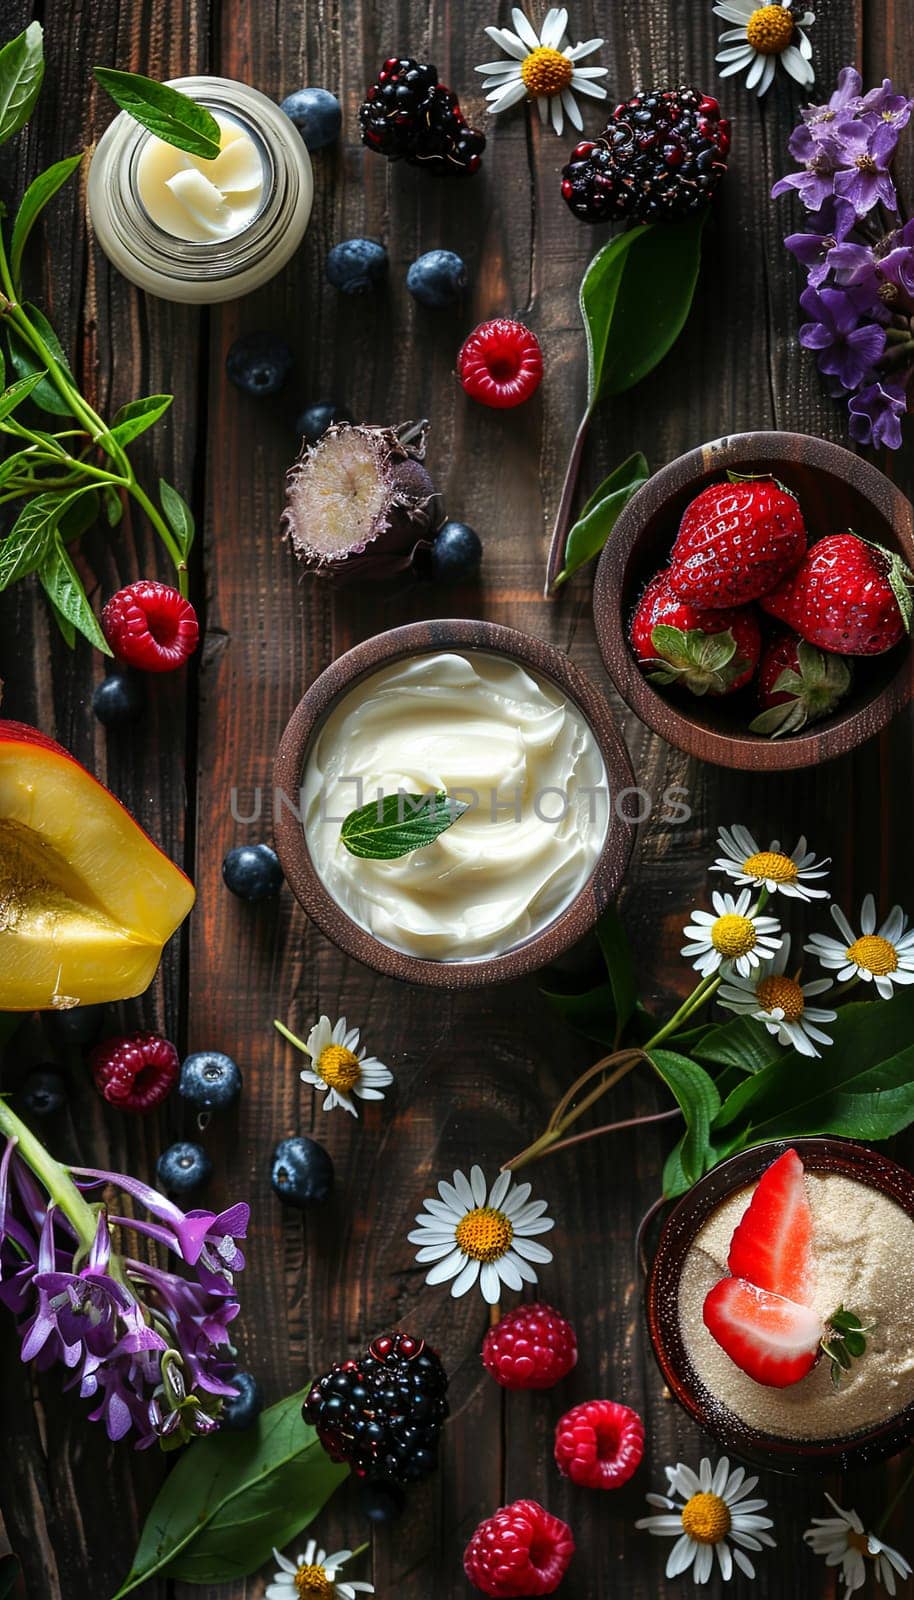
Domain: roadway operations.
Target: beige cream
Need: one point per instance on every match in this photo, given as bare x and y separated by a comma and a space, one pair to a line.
864, 1260
191, 198
461, 723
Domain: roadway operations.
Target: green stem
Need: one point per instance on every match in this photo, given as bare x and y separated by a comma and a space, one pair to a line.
59, 1185
693, 1002
899, 1494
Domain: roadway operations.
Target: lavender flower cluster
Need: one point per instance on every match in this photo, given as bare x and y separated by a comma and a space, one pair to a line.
147, 1345
858, 253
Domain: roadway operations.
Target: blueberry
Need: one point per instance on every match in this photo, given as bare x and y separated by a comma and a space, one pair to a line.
317, 116
210, 1080
79, 1025
119, 698
302, 1172
259, 363
437, 279
356, 266
252, 871
43, 1092
456, 552
314, 421
382, 1501
242, 1413
183, 1167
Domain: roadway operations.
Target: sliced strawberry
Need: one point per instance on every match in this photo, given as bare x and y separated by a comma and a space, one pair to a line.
772, 1245
771, 1339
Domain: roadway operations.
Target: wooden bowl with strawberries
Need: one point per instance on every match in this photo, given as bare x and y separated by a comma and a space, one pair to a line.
752, 603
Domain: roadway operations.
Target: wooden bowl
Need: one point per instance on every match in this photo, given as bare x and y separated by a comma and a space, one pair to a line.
837, 491
420, 638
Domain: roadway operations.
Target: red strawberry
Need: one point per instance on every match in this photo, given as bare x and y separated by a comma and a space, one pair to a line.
772, 1245
848, 596
710, 652
797, 685
773, 1340
736, 541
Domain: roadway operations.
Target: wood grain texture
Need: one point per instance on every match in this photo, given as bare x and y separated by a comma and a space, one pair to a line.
476, 1073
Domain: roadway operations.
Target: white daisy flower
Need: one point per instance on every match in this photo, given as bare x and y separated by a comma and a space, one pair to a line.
339, 1067
884, 956
542, 67
843, 1542
765, 35
775, 999
469, 1234
313, 1576
733, 936
704, 1510
770, 869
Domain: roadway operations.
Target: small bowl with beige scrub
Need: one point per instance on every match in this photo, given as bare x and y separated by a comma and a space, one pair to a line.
186, 228
503, 724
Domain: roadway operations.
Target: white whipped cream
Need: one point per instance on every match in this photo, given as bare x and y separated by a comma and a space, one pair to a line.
203, 201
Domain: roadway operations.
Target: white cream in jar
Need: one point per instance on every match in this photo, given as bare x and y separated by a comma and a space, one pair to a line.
486, 730
192, 198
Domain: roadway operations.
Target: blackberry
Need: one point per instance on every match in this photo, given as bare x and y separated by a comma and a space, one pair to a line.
410, 116
660, 158
383, 1413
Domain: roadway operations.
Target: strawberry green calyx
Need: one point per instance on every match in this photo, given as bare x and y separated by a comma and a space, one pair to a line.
816, 687
706, 663
844, 1341
901, 579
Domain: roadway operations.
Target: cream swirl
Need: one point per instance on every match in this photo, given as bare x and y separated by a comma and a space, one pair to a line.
484, 729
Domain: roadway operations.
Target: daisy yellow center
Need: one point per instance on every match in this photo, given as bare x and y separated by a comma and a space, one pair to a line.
771, 865
546, 71
312, 1583
770, 30
733, 935
339, 1068
706, 1518
778, 993
875, 954
484, 1234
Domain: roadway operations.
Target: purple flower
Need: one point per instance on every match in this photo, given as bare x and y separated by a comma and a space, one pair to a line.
828, 227
867, 155
816, 182
845, 98
876, 414
884, 104
896, 267
845, 348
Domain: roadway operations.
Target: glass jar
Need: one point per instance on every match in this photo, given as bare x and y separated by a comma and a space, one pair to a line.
219, 269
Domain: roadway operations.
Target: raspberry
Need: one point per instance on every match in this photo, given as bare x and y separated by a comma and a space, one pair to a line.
409, 116
136, 1072
660, 158
533, 1347
382, 1413
151, 626
521, 1550
600, 1444
501, 363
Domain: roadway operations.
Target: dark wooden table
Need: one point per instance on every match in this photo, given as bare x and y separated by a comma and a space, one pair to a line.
476, 1074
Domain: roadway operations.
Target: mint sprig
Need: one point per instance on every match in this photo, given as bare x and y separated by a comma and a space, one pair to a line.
844, 1342
172, 116
399, 823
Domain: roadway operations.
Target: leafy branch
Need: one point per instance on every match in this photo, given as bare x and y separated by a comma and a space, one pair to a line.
61, 479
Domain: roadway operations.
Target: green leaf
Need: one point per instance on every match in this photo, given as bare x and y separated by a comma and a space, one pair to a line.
21, 72
16, 393
398, 824
862, 1086
10, 465
620, 967
114, 506
652, 302
29, 539
63, 587
743, 1043
178, 515
26, 363
699, 1101
598, 518
138, 415
591, 1012
166, 112
232, 1497
599, 292
79, 516
39, 192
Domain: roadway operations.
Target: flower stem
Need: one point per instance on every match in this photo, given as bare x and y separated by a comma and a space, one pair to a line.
556, 558
897, 1497
60, 1186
